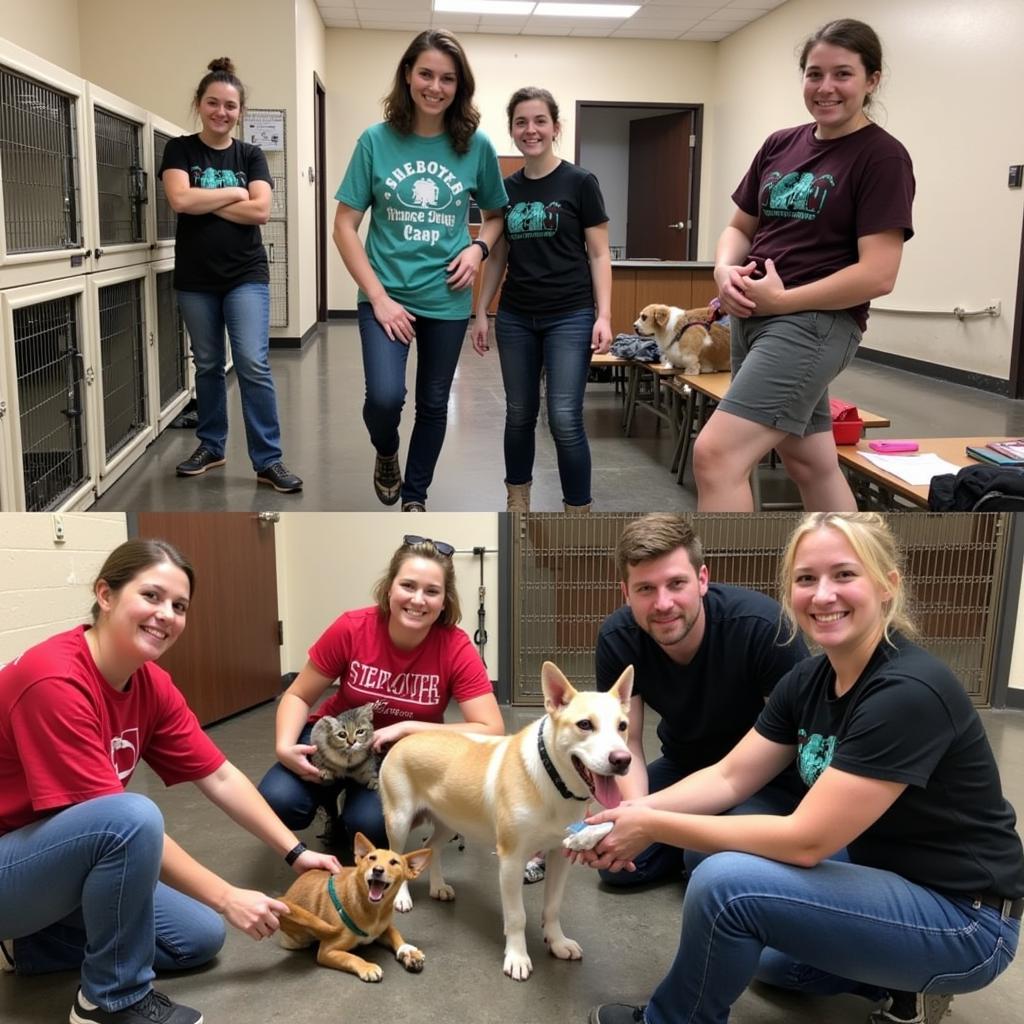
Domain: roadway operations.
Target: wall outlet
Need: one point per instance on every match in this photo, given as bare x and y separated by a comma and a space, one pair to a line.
58, 528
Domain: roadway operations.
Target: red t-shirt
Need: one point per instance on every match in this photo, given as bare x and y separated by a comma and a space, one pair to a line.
814, 198
66, 735
356, 650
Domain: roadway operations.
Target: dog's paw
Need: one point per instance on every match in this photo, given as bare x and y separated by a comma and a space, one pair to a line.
370, 972
403, 901
411, 958
517, 966
586, 837
565, 949
445, 893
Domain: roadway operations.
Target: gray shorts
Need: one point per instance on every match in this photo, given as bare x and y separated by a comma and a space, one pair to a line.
782, 367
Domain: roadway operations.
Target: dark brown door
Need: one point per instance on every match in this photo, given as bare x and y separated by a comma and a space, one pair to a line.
320, 199
658, 206
228, 658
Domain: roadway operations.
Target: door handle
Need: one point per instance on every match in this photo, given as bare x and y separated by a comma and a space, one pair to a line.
680, 225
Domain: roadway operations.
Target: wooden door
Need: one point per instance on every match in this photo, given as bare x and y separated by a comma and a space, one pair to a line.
229, 656
659, 187
320, 199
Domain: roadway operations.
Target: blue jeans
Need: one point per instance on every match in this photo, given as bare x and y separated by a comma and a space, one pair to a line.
245, 312
79, 889
560, 346
438, 344
295, 801
661, 861
853, 926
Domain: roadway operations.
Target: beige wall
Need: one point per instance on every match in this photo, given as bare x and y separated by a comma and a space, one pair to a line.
45, 586
948, 94
328, 562
361, 64
48, 28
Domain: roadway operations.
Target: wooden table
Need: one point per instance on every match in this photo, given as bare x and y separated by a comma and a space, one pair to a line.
876, 487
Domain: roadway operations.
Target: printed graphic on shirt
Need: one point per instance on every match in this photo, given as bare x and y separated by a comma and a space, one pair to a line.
124, 753
795, 196
532, 220
814, 755
412, 687
213, 177
427, 198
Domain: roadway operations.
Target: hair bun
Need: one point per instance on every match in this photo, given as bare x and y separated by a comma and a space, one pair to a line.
224, 64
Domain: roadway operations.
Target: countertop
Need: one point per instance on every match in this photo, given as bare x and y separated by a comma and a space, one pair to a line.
663, 264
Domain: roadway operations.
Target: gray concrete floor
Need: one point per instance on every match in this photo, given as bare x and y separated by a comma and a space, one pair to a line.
628, 940
320, 394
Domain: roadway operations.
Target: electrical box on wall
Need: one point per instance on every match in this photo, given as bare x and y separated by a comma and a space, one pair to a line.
1016, 175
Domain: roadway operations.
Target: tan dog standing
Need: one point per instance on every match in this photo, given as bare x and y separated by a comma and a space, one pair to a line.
518, 792
353, 908
691, 340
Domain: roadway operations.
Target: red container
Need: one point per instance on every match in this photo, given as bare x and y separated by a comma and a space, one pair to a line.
847, 431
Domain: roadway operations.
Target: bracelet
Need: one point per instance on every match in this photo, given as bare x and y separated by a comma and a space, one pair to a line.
483, 246
294, 854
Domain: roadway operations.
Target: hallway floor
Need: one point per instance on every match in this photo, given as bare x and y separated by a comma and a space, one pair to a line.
320, 394
628, 940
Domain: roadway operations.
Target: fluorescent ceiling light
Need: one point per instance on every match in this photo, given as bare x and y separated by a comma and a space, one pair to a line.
485, 6
586, 10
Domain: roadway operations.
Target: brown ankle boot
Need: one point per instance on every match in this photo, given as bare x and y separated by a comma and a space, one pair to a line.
518, 498
576, 509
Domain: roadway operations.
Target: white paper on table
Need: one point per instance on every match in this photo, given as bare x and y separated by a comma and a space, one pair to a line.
916, 470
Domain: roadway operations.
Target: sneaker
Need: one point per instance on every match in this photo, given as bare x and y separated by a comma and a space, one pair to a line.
912, 1008
153, 1008
387, 478
413, 506
278, 476
7, 956
616, 1013
199, 462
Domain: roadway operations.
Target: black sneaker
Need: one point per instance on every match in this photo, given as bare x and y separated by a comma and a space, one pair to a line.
277, 475
199, 462
912, 1008
616, 1013
413, 506
153, 1008
387, 478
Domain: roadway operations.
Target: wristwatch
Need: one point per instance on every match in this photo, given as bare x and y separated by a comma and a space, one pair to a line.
484, 248
294, 854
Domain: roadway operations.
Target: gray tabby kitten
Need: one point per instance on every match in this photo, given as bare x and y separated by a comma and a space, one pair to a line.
343, 747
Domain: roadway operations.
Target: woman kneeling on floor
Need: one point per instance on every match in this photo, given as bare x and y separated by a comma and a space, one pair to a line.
900, 876
88, 878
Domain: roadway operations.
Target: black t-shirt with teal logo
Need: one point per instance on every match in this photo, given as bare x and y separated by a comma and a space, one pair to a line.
212, 254
545, 225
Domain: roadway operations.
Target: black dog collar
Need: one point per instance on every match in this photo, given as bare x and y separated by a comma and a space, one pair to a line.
545, 759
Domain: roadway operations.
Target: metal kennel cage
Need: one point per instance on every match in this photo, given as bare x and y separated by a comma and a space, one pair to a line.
122, 334
120, 178
275, 231
166, 218
51, 396
39, 163
171, 341
564, 585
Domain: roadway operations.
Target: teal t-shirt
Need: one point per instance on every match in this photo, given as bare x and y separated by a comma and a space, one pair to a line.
418, 191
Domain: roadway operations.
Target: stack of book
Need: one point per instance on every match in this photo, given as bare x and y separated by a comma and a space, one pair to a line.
1000, 453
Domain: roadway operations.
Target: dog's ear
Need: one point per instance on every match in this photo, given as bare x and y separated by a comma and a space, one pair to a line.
623, 688
558, 691
415, 862
361, 846
661, 315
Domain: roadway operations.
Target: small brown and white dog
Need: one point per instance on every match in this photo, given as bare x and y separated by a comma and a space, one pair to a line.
352, 908
519, 792
689, 339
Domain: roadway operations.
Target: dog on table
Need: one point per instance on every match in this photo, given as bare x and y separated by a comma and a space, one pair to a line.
353, 908
519, 792
691, 340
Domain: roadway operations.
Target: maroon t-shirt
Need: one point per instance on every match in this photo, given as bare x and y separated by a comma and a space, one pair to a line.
814, 198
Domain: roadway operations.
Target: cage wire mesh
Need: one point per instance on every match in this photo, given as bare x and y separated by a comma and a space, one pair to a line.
48, 365
565, 584
171, 343
166, 218
275, 231
39, 166
123, 362
120, 179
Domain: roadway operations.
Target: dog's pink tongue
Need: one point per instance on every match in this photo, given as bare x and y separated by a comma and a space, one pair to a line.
606, 792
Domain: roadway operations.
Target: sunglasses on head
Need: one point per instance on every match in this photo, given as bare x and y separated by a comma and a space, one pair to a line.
440, 546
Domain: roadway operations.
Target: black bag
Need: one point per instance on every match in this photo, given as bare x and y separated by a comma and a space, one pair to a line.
977, 489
